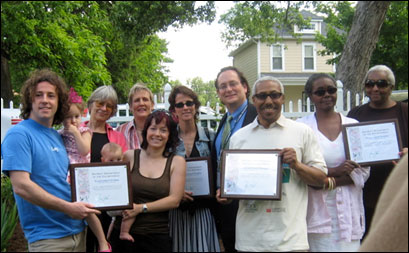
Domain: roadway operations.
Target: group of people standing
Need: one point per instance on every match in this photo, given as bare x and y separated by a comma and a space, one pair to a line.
325, 202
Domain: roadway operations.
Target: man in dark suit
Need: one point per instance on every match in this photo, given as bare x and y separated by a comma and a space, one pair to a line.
233, 91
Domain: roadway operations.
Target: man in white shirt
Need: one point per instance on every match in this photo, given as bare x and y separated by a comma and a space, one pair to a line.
278, 225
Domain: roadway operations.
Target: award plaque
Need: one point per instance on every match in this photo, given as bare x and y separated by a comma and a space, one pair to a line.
199, 177
107, 186
251, 174
372, 142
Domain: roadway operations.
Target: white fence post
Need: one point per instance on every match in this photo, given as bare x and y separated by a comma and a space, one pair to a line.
167, 89
340, 97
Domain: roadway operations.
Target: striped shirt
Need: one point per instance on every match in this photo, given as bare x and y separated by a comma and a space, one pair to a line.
131, 136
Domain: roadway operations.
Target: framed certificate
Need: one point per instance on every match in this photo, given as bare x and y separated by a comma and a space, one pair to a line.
105, 185
251, 174
199, 177
372, 142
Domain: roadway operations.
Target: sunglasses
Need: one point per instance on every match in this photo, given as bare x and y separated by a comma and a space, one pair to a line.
379, 83
273, 95
100, 104
181, 104
321, 92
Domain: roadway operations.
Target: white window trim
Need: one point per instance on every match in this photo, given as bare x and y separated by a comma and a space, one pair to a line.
282, 56
314, 56
316, 24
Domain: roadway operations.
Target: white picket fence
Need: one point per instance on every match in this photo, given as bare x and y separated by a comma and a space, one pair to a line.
208, 117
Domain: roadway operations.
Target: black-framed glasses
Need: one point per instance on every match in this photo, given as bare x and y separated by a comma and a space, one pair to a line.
380, 83
273, 95
321, 92
187, 103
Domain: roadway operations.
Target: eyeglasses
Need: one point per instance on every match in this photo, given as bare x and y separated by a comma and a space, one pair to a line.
273, 95
380, 83
187, 103
231, 84
100, 104
321, 92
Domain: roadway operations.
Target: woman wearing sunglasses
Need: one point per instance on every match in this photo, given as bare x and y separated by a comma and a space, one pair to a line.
379, 83
192, 225
335, 217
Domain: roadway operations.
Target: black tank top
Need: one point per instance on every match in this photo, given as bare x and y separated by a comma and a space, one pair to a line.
147, 190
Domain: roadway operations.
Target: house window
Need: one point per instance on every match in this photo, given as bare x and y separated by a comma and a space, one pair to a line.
309, 57
307, 29
277, 59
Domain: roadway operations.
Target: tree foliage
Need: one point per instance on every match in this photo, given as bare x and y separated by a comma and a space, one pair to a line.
62, 36
205, 90
392, 46
264, 20
93, 43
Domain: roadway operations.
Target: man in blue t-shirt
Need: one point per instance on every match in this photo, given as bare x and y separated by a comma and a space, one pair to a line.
35, 159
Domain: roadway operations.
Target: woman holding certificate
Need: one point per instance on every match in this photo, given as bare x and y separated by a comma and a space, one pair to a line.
158, 179
102, 105
335, 217
192, 225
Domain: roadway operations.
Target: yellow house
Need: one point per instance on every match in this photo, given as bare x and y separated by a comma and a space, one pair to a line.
289, 61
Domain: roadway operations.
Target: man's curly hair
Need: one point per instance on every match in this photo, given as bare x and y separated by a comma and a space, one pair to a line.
29, 89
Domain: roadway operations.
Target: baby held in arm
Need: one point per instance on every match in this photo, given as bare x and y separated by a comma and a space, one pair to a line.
112, 152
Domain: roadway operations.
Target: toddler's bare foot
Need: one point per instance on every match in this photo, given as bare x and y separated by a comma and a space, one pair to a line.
126, 236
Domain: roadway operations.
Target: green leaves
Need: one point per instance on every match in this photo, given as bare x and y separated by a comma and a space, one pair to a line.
94, 43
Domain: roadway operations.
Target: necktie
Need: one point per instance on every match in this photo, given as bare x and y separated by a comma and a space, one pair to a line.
226, 133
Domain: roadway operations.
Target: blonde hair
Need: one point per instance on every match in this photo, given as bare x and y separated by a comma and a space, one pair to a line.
139, 87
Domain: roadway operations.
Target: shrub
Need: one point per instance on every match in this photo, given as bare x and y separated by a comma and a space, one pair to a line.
9, 216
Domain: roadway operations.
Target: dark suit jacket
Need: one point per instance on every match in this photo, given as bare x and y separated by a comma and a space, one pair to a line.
250, 116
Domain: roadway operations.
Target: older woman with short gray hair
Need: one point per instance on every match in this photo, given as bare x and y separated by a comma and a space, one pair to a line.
102, 105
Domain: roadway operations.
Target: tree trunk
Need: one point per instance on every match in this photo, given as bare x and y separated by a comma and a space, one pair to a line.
361, 42
6, 92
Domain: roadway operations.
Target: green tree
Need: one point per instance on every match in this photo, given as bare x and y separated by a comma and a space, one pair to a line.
392, 46
205, 90
264, 21
63, 36
91, 43
136, 54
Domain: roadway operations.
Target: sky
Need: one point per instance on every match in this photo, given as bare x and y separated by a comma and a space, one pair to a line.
198, 51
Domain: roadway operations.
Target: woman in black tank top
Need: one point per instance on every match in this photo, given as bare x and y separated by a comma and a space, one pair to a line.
158, 179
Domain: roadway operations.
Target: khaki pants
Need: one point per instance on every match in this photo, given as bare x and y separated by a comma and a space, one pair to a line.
71, 243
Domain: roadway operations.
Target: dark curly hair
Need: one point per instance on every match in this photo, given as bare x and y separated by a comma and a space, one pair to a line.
29, 89
243, 80
311, 80
187, 92
173, 140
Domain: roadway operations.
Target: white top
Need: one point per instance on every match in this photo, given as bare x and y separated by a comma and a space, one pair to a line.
267, 225
347, 200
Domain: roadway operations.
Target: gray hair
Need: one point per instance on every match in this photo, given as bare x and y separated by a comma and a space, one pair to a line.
104, 93
138, 87
267, 78
390, 77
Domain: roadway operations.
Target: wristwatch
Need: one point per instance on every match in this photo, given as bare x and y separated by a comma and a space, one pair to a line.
144, 208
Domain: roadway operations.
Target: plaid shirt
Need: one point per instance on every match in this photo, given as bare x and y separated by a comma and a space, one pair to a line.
131, 136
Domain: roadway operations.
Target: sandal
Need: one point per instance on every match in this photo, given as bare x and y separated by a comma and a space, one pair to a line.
107, 250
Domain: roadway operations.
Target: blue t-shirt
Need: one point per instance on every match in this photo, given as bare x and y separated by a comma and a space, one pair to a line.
31, 147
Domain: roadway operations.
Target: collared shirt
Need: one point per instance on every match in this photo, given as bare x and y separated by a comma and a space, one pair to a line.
129, 131
113, 136
347, 200
267, 225
236, 123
